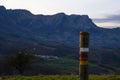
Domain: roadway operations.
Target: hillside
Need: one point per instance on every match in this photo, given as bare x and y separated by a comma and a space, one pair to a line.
58, 35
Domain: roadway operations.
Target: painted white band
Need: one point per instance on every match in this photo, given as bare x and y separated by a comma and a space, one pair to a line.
84, 49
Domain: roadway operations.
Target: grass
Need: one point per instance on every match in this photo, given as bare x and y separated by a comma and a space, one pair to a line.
60, 77
62, 65
105, 77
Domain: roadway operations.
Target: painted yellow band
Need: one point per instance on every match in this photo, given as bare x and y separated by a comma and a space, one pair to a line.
83, 62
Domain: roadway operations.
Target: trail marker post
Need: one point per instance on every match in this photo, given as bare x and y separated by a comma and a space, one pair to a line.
84, 50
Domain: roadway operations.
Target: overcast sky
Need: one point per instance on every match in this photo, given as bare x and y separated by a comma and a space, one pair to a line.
105, 13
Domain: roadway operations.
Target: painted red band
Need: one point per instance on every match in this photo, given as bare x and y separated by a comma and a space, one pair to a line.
83, 55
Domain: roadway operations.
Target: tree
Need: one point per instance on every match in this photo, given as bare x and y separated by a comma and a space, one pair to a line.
21, 61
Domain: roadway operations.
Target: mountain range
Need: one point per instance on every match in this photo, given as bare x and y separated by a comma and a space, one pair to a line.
58, 35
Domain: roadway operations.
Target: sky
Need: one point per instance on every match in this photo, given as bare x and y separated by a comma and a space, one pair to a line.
104, 13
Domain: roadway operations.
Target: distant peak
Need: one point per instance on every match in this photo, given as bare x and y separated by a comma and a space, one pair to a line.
85, 16
22, 11
2, 8
60, 14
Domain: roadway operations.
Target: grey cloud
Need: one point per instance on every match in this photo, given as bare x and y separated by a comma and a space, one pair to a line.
110, 18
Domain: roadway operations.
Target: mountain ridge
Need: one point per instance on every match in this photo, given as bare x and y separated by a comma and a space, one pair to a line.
57, 35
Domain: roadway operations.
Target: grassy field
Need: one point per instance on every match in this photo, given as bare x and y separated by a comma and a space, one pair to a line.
58, 77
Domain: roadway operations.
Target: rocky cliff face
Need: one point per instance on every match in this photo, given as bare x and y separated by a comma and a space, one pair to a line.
59, 27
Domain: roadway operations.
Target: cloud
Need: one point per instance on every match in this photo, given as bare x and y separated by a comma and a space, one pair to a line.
115, 18
108, 21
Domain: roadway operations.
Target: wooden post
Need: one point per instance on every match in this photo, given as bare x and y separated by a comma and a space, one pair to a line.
84, 50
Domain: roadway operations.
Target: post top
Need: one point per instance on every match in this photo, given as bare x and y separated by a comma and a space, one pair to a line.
84, 33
